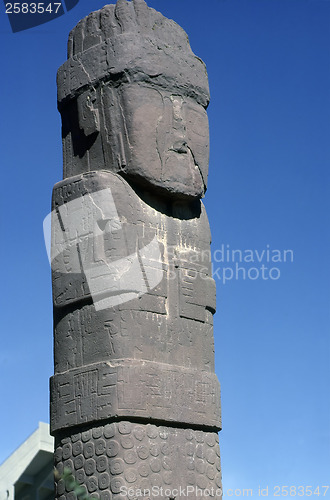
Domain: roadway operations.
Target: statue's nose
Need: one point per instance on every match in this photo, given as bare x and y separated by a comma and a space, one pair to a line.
180, 147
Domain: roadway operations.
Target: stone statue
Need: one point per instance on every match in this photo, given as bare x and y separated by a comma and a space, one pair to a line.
135, 402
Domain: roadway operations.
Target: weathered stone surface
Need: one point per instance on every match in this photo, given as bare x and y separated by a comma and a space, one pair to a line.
134, 398
110, 459
148, 390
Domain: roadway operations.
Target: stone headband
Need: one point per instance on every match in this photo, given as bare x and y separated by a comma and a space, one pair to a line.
130, 42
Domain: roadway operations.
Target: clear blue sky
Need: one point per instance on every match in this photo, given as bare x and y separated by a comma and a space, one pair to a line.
269, 69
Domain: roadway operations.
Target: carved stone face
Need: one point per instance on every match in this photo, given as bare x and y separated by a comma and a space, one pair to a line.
167, 140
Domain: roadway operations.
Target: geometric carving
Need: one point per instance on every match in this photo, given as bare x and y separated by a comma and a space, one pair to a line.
141, 457
135, 401
105, 391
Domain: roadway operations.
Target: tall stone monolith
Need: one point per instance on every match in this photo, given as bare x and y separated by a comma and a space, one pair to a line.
135, 402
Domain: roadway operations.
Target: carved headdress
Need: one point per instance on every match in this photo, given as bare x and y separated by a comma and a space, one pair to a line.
129, 42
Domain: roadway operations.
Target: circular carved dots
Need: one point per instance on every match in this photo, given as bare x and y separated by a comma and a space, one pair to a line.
79, 462
80, 476
91, 484
166, 449
168, 477
89, 450
105, 495
168, 463
90, 466
199, 436
117, 466
109, 431
210, 439
69, 484
191, 478
127, 442
190, 464
200, 466
142, 452
77, 448
201, 482
152, 431
86, 436
209, 487
218, 481
130, 475
97, 432
100, 447
104, 481
101, 464
199, 451
75, 437
210, 456
131, 495
189, 434
210, 472
155, 465
130, 457
68, 464
163, 433
154, 450
112, 448
143, 470
144, 484
124, 427
139, 433
60, 487
60, 468
66, 451
156, 480
116, 484
190, 449
58, 454
83, 493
